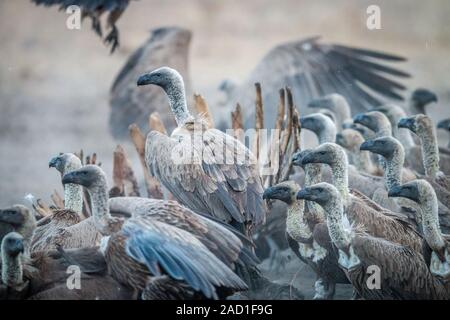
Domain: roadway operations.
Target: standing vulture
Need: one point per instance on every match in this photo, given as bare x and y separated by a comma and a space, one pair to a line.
129, 104
310, 68
205, 169
94, 9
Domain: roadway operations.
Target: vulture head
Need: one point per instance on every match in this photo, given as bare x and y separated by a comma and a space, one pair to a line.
90, 177
327, 153
322, 193
318, 123
385, 146
444, 124
298, 157
349, 139
374, 120
16, 215
163, 77
284, 191
410, 190
418, 123
65, 162
422, 97
12, 244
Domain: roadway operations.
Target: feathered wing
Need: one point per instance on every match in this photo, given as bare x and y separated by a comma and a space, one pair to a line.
403, 272
158, 249
222, 240
132, 104
313, 69
216, 175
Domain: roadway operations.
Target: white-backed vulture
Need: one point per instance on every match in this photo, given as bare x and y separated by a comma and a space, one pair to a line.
377, 221
167, 46
403, 272
419, 99
205, 169
306, 239
94, 10
393, 152
20, 219
337, 104
65, 227
437, 254
143, 252
423, 127
44, 276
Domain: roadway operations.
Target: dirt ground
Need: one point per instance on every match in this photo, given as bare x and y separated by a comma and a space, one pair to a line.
54, 82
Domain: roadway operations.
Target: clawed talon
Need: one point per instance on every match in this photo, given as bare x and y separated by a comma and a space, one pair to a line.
113, 38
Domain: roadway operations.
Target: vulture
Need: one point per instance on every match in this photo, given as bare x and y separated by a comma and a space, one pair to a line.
205, 169
94, 9
433, 160
161, 253
305, 238
404, 274
45, 275
312, 69
130, 104
66, 227
419, 99
361, 210
437, 252
394, 154
19, 219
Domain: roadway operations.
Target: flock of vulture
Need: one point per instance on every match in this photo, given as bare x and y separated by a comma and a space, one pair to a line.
374, 194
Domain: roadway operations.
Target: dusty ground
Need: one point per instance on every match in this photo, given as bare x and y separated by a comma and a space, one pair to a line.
54, 82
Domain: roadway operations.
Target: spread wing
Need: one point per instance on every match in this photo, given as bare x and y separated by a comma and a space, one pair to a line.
216, 175
165, 249
132, 104
313, 69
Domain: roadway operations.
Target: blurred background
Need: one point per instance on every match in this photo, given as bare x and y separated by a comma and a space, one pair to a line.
54, 82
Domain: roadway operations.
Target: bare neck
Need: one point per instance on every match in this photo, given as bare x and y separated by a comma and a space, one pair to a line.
12, 271
339, 171
177, 99
393, 169
430, 222
430, 151
73, 193
339, 235
100, 208
313, 175
296, 225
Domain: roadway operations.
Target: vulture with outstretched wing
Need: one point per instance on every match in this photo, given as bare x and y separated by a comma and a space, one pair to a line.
94, 9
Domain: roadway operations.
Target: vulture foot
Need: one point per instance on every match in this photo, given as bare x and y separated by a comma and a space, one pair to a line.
113, 38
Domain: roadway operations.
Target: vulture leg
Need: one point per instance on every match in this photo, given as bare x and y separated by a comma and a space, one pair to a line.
113, 37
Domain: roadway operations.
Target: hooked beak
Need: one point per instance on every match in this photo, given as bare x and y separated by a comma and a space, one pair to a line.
268, 193
303, 194
144, 80
70, 177
406, 123
52, 163
366, 145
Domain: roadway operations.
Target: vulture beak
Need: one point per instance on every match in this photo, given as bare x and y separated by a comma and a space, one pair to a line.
424, 96
268, 193
367, 145
407, 123
305, 194
309, 158
443, 124
53, 162
144, 79
362, 119
297, 159
404, 191
71, 177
